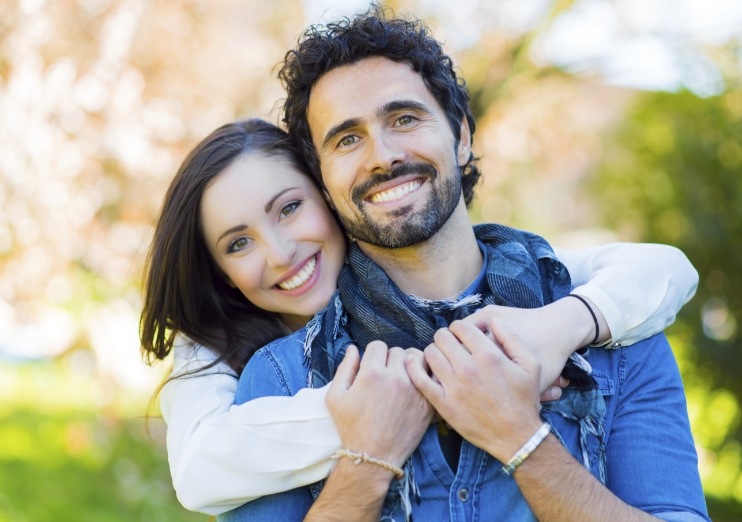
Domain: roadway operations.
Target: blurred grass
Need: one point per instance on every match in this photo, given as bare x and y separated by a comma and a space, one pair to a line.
71, 450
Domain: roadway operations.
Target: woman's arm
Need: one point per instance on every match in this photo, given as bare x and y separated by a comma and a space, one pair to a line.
637, 287
635, 290
222, 455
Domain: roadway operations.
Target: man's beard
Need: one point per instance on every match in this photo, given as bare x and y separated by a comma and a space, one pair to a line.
409, 228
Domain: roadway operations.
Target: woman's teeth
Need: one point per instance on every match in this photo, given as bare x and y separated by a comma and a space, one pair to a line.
300, 278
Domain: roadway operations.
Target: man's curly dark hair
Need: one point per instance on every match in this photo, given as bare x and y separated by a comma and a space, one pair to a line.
322, 48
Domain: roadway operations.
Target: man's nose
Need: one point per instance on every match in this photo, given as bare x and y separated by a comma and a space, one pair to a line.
383, 151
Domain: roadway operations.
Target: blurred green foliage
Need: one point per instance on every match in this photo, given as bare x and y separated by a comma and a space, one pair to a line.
66, 457
672, 173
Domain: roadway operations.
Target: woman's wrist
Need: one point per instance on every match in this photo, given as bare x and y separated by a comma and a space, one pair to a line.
587, 324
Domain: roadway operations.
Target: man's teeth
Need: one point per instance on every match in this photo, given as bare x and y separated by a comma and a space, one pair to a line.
395, 193
300, 278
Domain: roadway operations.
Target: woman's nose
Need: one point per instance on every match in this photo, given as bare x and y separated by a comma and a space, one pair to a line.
281, 252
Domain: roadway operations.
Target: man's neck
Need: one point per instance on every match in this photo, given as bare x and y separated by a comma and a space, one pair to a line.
439, 268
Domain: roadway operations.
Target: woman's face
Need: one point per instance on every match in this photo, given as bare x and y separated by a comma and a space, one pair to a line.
268, 228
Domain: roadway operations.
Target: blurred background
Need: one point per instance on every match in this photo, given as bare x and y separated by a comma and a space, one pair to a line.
598, 121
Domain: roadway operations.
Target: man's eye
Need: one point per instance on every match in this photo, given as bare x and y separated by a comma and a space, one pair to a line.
237, 244
289, 209
405, 120
347, 141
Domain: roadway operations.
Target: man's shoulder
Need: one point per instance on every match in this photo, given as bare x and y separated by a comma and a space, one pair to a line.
650, 360
287, 351
506, 239
278, 368
281, 343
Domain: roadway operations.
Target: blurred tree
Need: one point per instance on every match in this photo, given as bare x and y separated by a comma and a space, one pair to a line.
672, 173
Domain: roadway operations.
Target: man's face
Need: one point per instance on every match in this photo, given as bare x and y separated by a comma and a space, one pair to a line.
388, 157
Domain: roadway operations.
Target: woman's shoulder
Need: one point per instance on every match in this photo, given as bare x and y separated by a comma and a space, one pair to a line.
190, 356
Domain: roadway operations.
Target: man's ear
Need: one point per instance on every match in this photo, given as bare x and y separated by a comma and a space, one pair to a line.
463, 151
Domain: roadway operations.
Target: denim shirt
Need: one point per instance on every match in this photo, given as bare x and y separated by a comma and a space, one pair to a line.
651, 461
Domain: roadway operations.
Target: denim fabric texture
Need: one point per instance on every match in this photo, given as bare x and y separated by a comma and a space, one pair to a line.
519, 269
627, 422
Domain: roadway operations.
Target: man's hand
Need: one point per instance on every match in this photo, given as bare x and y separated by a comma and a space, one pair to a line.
551, 333
486, 388
375, 406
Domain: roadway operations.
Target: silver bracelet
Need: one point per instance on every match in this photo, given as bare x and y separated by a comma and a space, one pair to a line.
528, 448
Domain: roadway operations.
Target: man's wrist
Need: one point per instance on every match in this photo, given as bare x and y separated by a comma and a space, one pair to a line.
374, 480
525, 451
504, 448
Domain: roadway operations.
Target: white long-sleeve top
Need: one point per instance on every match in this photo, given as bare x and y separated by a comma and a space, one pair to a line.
222, 455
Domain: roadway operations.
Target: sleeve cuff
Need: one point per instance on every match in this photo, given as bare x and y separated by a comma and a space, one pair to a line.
610, 311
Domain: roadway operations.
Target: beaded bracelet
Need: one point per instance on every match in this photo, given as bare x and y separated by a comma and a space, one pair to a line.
595, 319
365, 457
528, 448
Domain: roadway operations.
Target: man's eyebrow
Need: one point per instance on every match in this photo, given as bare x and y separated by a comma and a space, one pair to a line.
401, 105
338, 129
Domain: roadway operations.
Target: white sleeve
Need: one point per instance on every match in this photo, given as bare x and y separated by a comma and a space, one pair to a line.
638, 287
222, 455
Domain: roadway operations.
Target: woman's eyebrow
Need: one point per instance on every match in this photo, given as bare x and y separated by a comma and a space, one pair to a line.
237, 228
271, 201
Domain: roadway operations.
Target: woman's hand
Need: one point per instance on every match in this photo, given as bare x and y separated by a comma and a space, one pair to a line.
551, 333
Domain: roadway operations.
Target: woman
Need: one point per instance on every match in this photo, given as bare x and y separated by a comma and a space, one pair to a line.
246, 251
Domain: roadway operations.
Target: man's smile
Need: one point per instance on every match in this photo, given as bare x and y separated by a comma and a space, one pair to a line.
395, 193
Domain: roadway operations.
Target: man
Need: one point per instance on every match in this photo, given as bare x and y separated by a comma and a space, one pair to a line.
378, 110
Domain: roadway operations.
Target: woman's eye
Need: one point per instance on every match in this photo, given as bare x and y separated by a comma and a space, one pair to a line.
237, 244
289, 208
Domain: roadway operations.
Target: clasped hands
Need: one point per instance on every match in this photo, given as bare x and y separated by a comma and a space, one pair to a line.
477, 375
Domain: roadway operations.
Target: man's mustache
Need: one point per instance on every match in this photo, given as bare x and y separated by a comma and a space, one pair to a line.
405, 169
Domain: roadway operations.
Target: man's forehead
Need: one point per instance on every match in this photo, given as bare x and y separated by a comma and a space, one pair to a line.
357, 90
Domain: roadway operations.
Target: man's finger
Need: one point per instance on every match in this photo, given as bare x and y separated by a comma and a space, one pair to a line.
395, 358
347, 370
375, 354
475, 340
417, 369
438, 362
551, 393
479, 319
451, 347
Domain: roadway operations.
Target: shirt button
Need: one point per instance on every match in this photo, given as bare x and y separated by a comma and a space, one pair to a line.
463, 494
